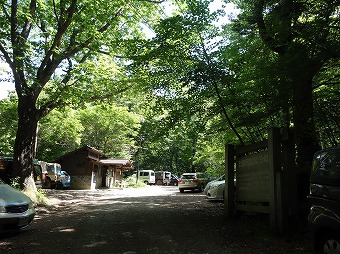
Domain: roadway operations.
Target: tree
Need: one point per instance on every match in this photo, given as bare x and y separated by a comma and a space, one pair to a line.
326, 98
53, 50
8, 124
304, 37
180, 68
58, 133
110, 129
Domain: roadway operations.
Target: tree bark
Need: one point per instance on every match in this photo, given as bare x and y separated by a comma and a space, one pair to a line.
302, 72
25, 139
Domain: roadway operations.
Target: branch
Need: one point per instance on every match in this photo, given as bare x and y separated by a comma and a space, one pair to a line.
4, 10
73, 48
28, 23
7, 57
110, 95
55, 101
51, 62
14, 21
55, 12
267, 39
217, 90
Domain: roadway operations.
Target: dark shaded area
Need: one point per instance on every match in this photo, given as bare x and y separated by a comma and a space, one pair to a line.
128, 222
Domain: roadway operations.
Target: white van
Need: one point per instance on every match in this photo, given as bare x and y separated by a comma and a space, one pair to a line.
146, 176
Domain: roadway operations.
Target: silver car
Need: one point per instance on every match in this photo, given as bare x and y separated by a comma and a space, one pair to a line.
16, 209
215, 189
193, 181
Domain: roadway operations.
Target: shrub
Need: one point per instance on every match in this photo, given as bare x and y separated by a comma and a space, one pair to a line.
130, 182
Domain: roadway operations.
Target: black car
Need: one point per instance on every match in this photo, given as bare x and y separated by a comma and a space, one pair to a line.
174, 180
324, 215
6, 164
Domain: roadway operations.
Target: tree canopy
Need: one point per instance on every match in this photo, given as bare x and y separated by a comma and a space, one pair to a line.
57, 51
180, 95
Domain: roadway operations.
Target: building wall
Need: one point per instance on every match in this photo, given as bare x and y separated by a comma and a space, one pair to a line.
80, 182
88, 173
81, 170
76, 164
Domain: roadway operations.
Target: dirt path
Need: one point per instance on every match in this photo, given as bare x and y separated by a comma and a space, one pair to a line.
157, 219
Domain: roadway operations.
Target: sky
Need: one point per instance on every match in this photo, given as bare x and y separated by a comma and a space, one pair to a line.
4, 86
7, 86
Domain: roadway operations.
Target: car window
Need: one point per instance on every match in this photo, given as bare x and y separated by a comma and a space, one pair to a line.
191, 176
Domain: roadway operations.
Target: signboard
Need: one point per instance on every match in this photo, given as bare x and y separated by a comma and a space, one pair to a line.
252, 177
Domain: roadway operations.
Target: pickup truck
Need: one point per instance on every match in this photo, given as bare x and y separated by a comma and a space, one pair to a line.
50, 175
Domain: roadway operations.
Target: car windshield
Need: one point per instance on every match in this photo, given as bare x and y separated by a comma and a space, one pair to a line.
191, 176
1, 182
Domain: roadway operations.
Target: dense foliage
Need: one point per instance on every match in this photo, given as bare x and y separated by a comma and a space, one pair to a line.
61, 53
172, 101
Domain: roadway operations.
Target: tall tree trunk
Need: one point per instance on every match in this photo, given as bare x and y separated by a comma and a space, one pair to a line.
302, 72
305, 135
25, 140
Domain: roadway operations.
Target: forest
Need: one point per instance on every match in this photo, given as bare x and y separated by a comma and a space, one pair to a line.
167, 89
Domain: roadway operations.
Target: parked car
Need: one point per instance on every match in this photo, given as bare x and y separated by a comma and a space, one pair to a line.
16, 209
65, 179
146, 176
324, 215
174, 180
162, 177
215, 189
50, 175
6, 165
193, 181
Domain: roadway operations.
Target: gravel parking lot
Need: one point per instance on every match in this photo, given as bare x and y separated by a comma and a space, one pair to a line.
156, 219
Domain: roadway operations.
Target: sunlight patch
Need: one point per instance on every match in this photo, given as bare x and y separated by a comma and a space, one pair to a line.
95, 244
67, 230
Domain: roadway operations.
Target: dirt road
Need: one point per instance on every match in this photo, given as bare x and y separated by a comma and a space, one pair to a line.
156, 219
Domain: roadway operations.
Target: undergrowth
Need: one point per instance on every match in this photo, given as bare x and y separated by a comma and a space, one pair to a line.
131, 182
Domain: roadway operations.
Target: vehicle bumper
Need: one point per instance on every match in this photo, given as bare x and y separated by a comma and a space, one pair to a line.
213, 194
194, 187
10, 221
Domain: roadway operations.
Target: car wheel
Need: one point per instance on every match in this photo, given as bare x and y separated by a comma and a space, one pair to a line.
159, 182
59, 186
47, 183
181, 190
201, 188
330, 244
146, 182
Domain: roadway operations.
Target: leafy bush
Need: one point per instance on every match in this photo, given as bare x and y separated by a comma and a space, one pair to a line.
38, 197
130, 182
